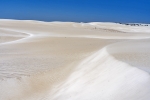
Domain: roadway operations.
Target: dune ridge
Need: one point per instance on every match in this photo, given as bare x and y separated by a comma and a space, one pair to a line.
74, 61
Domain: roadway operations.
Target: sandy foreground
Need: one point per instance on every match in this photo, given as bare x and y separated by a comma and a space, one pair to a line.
73, 61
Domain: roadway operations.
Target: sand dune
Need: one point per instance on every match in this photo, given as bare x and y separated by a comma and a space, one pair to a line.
73, 61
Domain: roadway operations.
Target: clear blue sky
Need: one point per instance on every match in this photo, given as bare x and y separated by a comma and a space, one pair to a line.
77, 10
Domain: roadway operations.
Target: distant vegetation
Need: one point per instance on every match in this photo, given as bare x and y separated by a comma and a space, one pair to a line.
135, 24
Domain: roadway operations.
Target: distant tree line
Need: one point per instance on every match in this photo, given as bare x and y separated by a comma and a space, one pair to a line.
132, 24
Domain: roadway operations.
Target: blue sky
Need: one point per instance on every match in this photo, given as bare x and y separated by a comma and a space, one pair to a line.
124, 11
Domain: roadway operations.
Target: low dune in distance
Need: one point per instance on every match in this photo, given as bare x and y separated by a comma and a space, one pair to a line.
73, 61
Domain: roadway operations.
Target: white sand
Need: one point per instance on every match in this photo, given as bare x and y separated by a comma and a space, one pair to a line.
73, 61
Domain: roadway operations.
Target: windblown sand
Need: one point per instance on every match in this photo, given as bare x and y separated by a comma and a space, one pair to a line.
74, 61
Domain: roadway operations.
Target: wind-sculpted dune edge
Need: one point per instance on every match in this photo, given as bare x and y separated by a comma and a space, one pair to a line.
74, 61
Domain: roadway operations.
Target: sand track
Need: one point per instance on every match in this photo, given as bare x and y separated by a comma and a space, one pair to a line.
8, 36
73, 61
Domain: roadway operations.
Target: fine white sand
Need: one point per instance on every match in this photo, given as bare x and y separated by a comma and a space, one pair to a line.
73, 61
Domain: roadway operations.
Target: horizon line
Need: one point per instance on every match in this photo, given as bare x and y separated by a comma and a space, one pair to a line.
69, 21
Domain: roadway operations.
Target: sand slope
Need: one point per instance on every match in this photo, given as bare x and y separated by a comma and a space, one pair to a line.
73, 61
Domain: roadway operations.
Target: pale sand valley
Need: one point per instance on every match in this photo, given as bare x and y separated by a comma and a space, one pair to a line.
74, 61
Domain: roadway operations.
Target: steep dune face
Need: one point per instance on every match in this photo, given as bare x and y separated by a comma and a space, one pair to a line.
108, 78
73, 61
